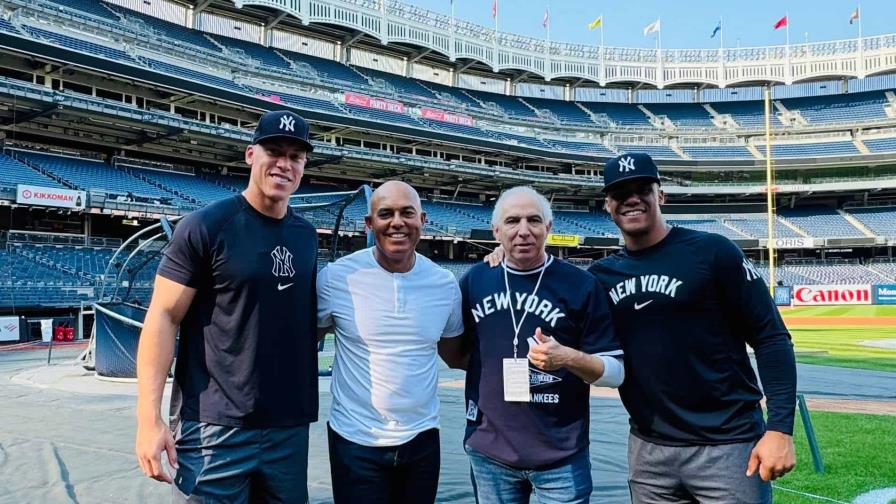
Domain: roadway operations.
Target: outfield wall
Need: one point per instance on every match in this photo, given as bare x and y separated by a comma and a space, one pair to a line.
833, 295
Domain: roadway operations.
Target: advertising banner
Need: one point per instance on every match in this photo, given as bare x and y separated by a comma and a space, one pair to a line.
9, 329
885, 294
50, 196
801, 242
374, 103
563, 240
448, 117
831, 294
783, 295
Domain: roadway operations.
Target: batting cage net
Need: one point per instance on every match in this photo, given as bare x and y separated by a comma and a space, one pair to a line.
126, 286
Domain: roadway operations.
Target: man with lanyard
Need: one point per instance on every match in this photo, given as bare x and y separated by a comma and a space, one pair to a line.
238, 279
391, 309
527, 427
685, 305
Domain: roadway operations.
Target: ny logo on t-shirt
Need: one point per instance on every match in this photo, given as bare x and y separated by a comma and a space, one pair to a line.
282, 262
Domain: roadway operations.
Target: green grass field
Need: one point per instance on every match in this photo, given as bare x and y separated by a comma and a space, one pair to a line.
857, 451
842, 344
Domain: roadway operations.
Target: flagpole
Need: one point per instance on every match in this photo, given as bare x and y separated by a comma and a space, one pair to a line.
769, 187
603, 68
721, 35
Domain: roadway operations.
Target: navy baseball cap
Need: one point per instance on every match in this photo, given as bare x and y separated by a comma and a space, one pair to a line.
285, 124
630, 166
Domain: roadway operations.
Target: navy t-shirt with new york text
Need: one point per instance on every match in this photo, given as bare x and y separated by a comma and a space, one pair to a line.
247, 355
568, 305
684, 310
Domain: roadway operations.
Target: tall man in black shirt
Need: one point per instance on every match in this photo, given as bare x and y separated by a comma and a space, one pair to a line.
238, 278
684, 305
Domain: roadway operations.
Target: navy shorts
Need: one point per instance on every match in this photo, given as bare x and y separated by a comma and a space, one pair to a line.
218, 464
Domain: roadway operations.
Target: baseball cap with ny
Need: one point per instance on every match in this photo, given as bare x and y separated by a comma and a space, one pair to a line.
634, 165
285, 124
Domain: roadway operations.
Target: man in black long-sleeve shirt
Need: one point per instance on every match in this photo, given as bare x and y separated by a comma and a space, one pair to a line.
684, 303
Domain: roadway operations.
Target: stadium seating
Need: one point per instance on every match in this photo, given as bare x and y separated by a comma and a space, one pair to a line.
89, 6
174, 33
79, 45
839, 108
880, 220
757, 227
655, 151
748, 114
263, 55
620, 114
328, 71
89, 174
885, 267
193, 75
720, 152
806, 150
709, 226
595, 148
13, 173
383, 115
879, 145
683, 115
590, 223
402, 85
566, 112
845, 273
510, 105
455, 218
453, 94
819, 221
188, 186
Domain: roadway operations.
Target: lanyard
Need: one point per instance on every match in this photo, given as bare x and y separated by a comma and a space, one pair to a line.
517, 327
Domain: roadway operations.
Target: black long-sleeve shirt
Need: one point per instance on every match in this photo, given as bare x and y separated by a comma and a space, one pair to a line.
683, 310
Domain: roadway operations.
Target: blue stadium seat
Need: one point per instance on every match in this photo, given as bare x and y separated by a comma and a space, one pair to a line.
13, 173
821, 222
849, 108
721, 152
683, 115
880, 220
80, 45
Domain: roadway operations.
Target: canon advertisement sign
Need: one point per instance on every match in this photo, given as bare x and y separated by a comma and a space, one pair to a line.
831, 294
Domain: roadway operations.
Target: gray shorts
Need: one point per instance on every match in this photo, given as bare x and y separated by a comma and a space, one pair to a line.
218, 464
690, 474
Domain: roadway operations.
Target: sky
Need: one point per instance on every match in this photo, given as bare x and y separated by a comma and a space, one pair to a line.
684, 24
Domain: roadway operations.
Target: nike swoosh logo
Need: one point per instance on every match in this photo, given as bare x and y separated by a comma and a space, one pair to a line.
638, 306
281, 287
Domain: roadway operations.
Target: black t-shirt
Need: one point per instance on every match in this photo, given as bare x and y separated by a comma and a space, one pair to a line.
247, 355
684, 309
570, 306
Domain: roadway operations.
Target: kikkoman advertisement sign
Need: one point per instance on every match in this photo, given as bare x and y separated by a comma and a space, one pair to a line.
50, 197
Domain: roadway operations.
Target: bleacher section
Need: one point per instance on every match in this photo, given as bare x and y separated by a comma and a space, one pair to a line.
509, 104
566, 112
189, 186
819, 221
749, 114
721, 152
328, 71
683, 115
402, 85
880, 220
87, 174
757, 227
96, 8
807, 150
879, 145
262, 55
887, 268
173, 33
79, 45
839, 108
707, 225
619, 114
13, 173
655, 151
836, 273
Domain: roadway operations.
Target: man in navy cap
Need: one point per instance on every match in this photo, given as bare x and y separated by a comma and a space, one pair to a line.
685, 304
238, 279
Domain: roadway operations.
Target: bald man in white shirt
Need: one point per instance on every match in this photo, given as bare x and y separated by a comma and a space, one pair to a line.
391, 310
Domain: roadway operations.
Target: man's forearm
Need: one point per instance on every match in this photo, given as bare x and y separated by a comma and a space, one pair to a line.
154, 356
587, 367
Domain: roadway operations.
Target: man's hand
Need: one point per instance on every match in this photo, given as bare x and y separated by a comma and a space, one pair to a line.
495, 257
152, 439
548, 354
773, 456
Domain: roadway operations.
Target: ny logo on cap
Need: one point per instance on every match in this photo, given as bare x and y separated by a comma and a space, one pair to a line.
287, 123
626, 164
